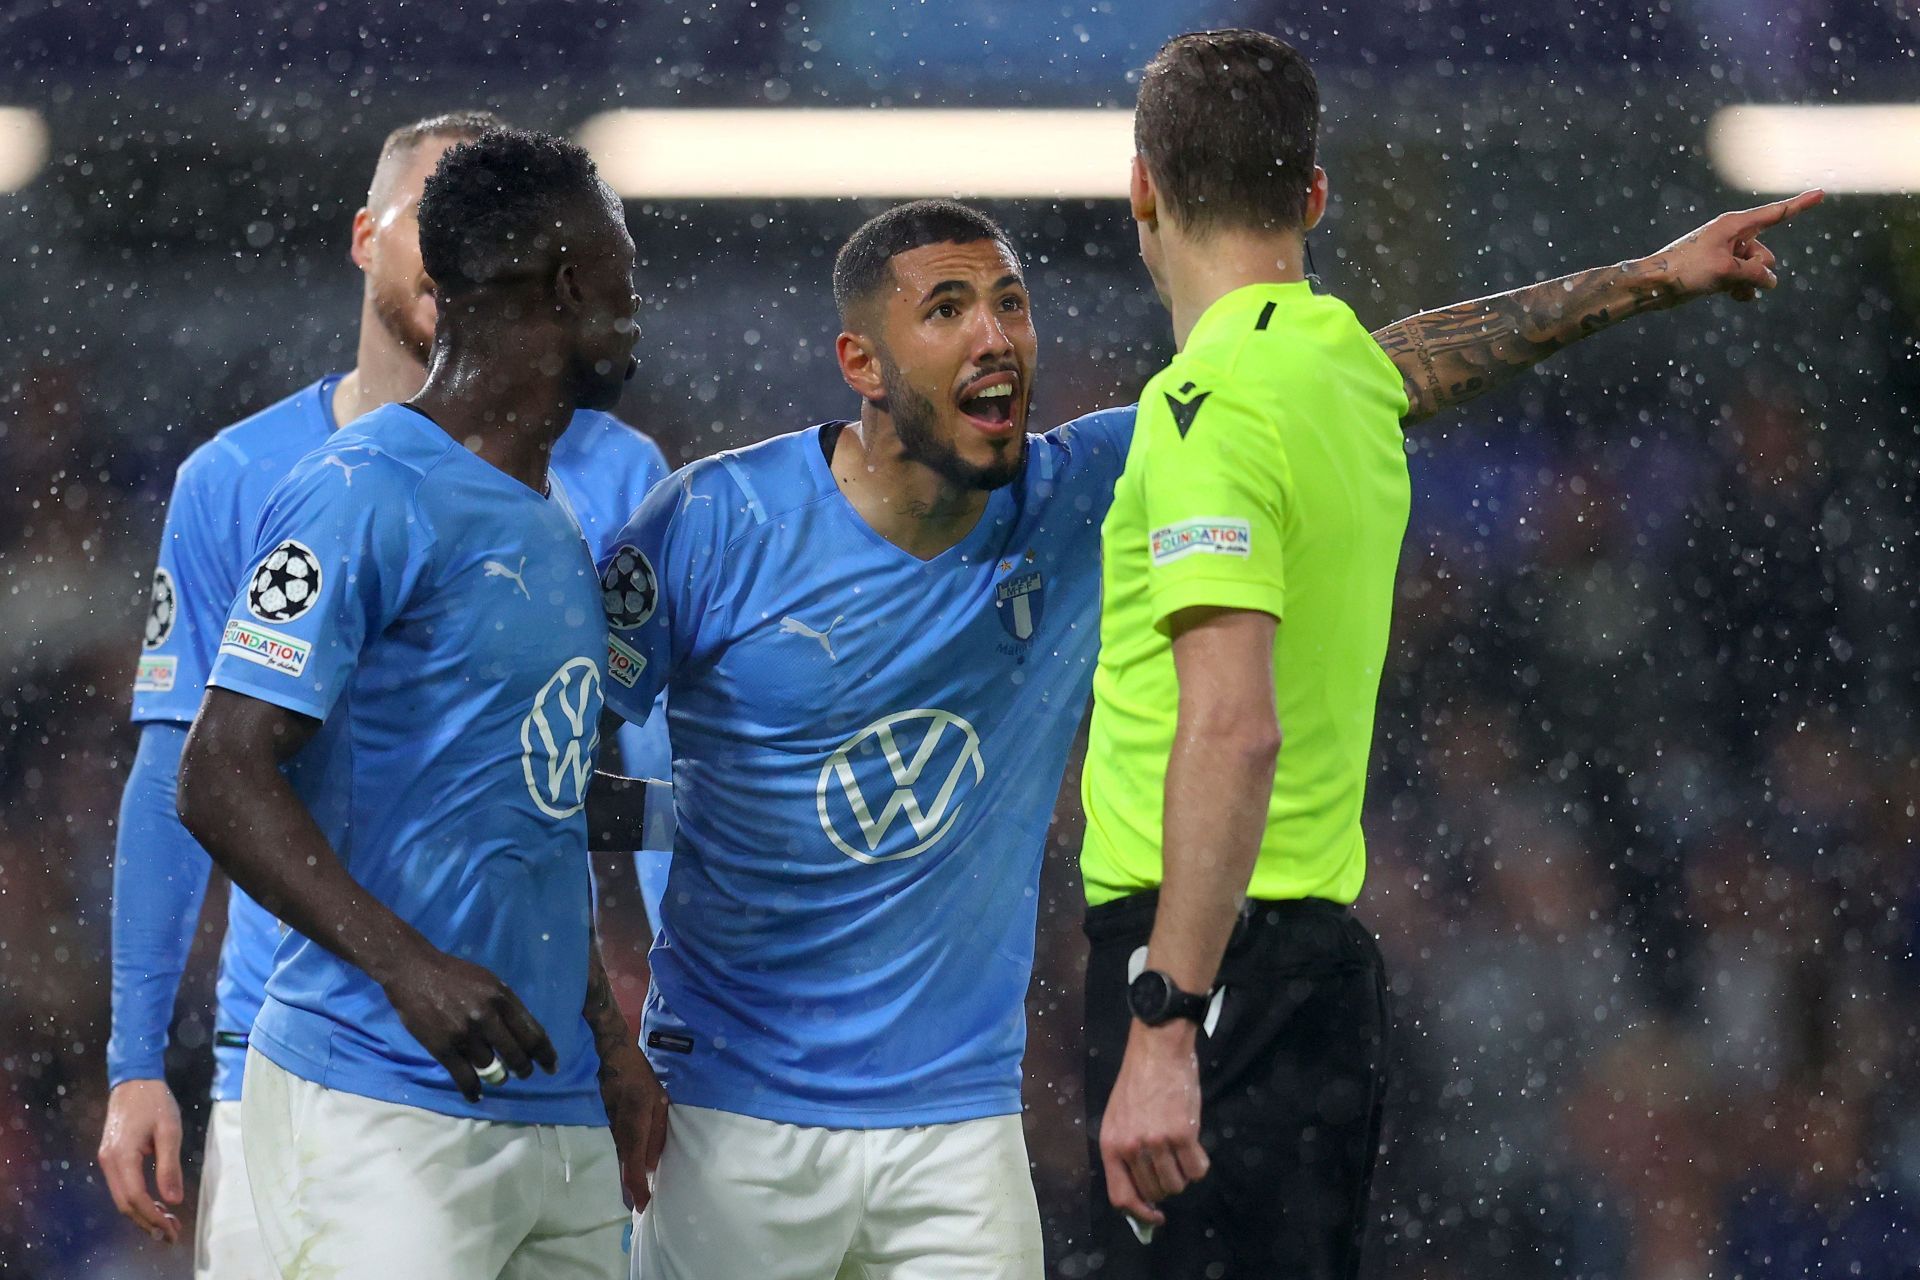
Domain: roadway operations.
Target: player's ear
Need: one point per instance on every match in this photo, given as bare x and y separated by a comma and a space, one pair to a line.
860, 365
566, 287
1140, 193
360, 246
1316, 198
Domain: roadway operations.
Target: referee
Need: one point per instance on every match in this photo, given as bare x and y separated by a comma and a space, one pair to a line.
1236, 1011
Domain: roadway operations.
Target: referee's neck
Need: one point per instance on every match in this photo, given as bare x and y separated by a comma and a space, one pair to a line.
1202, 270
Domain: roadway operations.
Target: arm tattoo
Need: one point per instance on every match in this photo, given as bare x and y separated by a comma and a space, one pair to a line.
1450, 356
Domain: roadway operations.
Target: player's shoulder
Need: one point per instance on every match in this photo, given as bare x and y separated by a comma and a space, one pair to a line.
265, 443
609, 441
759, 483
1090, 440
392, 451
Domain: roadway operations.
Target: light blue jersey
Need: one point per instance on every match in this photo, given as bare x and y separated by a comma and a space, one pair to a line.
443, 621
867, 749
160, 873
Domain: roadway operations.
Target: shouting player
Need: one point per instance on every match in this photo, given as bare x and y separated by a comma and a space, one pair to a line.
879, 637
161, 872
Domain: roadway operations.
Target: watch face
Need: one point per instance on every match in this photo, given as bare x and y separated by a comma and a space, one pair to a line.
1148, 996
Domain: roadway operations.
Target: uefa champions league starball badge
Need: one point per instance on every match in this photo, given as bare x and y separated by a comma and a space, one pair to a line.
286, 583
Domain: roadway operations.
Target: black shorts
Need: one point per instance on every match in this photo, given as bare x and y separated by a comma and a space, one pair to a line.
1292, 1081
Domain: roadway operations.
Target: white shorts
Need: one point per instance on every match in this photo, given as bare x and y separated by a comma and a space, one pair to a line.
349, 1186
226, 1237
737, 1198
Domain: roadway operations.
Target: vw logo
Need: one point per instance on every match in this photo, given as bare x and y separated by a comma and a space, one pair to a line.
929, 755
559, 736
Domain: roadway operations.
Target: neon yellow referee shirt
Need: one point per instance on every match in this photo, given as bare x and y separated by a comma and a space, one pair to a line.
1267, 472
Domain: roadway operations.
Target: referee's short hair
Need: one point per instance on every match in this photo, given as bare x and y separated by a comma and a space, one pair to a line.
864, 262
1228, 123
495, 209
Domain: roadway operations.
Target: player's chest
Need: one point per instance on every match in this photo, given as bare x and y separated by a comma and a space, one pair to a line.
812, 654
509, 602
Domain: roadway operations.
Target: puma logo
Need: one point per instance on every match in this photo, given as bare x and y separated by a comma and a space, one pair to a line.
795, 627
345, 470
494, 569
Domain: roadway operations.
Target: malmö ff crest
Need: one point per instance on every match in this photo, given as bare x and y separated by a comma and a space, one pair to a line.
1019, 596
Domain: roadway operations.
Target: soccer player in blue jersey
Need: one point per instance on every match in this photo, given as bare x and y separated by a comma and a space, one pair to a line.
879, 636
393, 756
204, 557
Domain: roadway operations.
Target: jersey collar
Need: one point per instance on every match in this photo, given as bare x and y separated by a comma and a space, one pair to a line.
1227, 310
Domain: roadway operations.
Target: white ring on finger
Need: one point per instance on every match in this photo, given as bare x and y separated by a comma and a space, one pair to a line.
494, 1072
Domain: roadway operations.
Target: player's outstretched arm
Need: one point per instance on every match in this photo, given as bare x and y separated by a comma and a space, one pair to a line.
1449, 356
240, 807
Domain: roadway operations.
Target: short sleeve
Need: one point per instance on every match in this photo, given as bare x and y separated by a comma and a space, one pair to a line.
1216, 488
653, 582
333, 565
193, 580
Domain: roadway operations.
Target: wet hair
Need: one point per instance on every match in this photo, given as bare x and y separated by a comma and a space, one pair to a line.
1228, 123
864, 262
491, 207
464, 125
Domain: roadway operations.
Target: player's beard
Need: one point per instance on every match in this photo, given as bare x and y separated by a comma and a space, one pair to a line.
397, 308
917, 423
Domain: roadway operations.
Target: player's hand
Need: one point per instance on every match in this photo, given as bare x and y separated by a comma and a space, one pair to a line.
1726, 255
637, 1111
143, 1120
465, 1016
1150, 1136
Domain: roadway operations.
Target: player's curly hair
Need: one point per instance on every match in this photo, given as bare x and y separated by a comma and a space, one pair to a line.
862, 264
491, 208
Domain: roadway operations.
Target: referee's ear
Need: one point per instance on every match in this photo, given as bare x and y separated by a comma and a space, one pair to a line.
1316, 199
1141, 194
860, 365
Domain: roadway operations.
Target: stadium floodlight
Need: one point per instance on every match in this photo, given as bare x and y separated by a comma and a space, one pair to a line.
23, 146
874, 152
1839, 147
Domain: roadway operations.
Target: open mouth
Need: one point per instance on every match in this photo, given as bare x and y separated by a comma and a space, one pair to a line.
988, 400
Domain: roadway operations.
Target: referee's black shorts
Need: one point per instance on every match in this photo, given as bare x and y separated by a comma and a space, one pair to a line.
1292, 1079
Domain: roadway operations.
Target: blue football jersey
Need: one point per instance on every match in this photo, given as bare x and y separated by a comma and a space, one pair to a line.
205, 550
867, 749
443, 621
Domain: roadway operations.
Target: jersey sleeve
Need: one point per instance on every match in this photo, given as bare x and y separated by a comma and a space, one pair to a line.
332, 567
159, 879
1216, 488
192, 586
653, 582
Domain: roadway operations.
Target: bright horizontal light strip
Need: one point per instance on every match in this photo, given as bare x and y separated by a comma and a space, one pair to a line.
894, 154
23, 146
1841, 148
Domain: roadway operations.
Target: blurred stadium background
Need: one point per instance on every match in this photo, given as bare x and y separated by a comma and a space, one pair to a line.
1643, 819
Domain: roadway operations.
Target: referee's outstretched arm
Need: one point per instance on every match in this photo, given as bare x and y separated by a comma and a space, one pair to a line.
1451, 355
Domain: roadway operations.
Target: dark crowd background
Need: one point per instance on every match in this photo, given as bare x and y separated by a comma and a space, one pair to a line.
1642, 822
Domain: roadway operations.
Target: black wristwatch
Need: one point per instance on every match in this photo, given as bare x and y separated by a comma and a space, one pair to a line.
1155, 999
